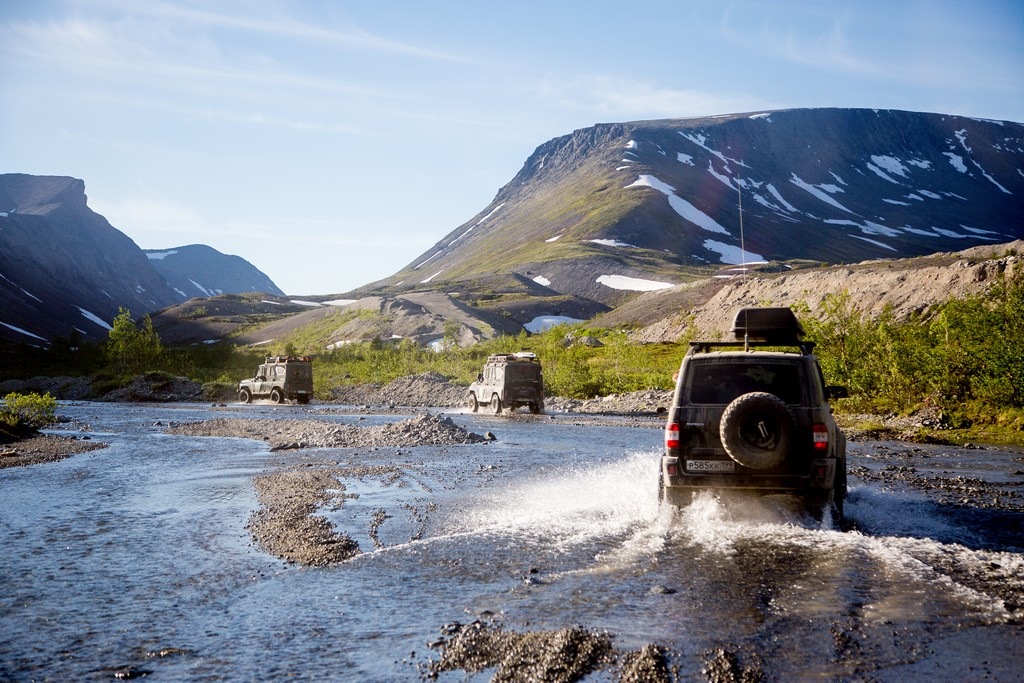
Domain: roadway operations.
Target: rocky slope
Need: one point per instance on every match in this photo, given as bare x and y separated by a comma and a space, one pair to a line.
905, 286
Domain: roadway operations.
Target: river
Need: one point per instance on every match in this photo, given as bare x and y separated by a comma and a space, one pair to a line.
135, 560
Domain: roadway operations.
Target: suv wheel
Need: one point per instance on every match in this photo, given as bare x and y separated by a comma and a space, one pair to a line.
473, 404
495, 404
757, 430
276, 396
244, 396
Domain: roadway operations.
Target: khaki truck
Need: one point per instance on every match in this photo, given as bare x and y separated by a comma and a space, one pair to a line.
280, 378
509, 381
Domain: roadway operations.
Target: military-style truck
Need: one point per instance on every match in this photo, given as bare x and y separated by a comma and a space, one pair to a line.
280, 378
509, 381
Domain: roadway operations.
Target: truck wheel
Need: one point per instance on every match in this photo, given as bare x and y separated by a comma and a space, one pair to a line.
276, 396
473, 404
495, 404
757, 430
840, 490
535, 408
303, 399
244, 396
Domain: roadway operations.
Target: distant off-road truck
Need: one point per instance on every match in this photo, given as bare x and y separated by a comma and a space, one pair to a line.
508, 381
280, 378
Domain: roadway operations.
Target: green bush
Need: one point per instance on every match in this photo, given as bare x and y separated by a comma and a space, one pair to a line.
965, 358
32, 410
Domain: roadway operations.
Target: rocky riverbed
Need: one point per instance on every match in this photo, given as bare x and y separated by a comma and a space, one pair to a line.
318, 459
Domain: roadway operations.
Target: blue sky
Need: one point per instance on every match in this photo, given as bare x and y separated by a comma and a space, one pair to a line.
331, 143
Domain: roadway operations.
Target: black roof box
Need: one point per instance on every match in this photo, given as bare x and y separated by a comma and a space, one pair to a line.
771, 325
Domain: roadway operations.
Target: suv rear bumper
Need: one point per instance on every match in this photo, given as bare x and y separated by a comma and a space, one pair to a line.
819, 477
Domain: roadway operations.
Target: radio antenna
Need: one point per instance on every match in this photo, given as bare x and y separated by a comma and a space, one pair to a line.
743, 250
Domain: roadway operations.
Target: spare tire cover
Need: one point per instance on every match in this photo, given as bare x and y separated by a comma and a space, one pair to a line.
757, 430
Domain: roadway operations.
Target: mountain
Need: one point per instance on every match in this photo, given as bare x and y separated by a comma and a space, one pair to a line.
616, 209
199, 270
65, 271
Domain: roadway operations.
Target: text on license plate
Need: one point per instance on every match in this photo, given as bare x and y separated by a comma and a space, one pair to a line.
710, 466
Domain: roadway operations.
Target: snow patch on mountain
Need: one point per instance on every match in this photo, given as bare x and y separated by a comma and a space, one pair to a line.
731, 254
700, 139
819, 191
632, 284
546, 322
95, 318
24, 332
612, 243
682, 207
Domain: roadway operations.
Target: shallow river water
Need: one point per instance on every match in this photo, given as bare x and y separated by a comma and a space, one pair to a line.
135, 559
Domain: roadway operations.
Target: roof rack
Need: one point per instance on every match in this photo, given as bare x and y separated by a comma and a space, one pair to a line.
288, 359
521, 356
762, 327
806, 347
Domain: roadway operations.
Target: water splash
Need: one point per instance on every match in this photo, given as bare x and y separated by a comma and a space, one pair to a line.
570, 505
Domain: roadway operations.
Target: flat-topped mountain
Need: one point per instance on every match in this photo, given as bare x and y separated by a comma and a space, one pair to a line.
616, 209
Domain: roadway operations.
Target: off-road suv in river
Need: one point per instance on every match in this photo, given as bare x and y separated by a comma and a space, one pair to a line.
508, 381
280, 378
753, 415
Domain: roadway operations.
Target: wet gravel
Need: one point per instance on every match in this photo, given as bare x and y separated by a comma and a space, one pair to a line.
558, 656
282, 434
44, 448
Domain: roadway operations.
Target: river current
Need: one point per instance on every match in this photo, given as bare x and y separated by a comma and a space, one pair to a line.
135, 560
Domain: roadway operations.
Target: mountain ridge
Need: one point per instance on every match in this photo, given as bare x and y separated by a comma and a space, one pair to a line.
594, 221
65, 271
660, 200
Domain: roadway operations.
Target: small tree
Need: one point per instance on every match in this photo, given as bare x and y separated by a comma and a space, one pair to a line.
28, 412
131, 349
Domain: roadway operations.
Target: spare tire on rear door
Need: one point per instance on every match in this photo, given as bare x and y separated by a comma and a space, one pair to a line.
757, 430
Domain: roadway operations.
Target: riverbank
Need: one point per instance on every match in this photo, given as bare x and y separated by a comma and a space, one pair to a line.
426, 391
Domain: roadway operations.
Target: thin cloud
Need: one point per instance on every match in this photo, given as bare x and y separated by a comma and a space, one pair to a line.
622, 99
278, 23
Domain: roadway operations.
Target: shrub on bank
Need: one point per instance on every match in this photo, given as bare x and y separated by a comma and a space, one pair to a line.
22, 414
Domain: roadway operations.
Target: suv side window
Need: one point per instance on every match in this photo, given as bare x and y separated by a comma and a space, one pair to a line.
719, 384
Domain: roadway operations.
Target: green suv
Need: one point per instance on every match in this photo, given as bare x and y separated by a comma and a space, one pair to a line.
509, 381
752, 415
280, 378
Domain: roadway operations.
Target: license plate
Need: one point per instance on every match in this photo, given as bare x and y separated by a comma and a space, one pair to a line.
710, 466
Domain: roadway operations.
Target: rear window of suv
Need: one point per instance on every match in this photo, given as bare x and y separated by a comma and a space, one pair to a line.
717, 383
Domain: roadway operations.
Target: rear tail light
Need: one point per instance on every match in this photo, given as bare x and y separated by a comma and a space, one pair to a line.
820, 437
672, 436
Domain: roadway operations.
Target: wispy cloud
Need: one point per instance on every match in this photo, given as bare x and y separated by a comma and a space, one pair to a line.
276, 20
618, 98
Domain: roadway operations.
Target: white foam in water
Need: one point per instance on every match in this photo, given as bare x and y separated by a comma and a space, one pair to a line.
902, 539
572, 505
615, 507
